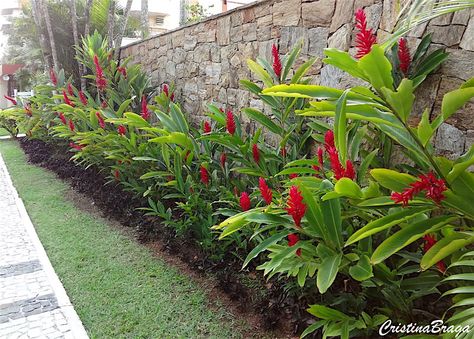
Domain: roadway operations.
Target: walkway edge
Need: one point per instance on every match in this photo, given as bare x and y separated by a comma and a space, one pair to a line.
77, 328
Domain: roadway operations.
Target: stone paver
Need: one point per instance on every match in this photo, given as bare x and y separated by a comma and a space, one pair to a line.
33, 303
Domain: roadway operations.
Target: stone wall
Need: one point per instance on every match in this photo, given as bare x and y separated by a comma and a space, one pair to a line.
205, 61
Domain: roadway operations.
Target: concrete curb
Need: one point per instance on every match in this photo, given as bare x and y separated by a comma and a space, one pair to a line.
77, 328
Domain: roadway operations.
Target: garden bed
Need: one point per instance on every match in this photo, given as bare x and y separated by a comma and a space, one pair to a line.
267, 305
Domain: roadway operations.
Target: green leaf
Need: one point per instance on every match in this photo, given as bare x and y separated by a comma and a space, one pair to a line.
327, 272
454, 100
136, 120
340, 126
326, 313
174, 138
331, 210
264, 245
401, 100
261, 118
377, 68
444, 248
344, 61
385, 222
123, 107
348, 188
393, 180
260, 72
301, 71
407, 235
303, 91
362, 270
425, 130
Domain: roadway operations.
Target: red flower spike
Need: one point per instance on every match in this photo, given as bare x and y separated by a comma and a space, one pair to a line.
145, 113
75, 146
100, 80
283, 152
404, 55
292, 241
434, 189
335, 164
104, 104
100, 119
123, 71
62, 118
101, 83
320, 157
117, 175
67, 100
206, 127
295, 205
70, 90
223, 159
266, 192
204, 175
71, 125
329, 140
349, 172
172, 97
230, 122
12, 100
245, 201
166, 90
255, 153
52, 76
276, 61
121, 130
83, 98
365, 39
293, 175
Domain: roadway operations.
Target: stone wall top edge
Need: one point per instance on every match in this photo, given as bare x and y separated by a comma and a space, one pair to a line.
208, 19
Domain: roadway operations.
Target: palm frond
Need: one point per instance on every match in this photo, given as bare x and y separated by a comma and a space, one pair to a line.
417, 12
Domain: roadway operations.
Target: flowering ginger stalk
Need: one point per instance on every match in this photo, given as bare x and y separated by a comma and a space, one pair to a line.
76, 146
67, 100
430, 241
266, 192
145, 112
433, 186
230, 122
223, 159
52, 76
336, 166
255, 153
365, 38
204, 175
121, 130
276, 61
83, 98
70, 90
245, 203
295, 205
62, 118
206, 127
292, 241
100, 119
404, 55
100, 80
71, 125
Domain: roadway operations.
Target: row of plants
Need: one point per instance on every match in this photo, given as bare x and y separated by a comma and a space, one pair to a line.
313, 196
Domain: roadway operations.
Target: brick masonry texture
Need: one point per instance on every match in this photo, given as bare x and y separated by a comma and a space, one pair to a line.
205, 61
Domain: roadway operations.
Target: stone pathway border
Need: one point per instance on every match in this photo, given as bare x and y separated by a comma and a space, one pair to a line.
47, 315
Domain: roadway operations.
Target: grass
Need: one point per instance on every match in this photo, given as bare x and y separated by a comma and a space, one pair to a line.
118, 288
3, 132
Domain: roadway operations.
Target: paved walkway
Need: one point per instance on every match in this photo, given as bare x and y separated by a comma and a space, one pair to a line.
33, 303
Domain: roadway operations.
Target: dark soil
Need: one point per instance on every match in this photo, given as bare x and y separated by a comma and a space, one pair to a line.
266, 306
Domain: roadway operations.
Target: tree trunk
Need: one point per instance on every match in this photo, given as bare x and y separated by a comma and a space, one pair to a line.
122, 27
75, 35
36, 12
44, 7
87, 17
111, 23
144, 19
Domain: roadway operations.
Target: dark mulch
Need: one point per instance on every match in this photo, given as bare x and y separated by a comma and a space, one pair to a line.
278, 308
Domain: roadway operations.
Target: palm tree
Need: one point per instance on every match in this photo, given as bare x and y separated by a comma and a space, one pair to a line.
54, 53
87, 17
75, 35
111, 23
144, 19
122, 26
36, 13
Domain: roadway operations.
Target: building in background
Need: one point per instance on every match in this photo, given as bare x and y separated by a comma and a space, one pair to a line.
7, 83
8, 10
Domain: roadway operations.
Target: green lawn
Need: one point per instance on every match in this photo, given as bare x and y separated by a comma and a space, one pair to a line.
3, 132
117, 287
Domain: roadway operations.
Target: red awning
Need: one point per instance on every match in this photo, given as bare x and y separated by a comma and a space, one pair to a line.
10, 68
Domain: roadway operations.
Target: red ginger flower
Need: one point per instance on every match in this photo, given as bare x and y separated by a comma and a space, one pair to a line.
349, 172
83, 98
145, 112
121, 130
123, 71
245, 201
204, 175
223, 159
434, 189
117, 174
365, 39
206, 127
336, 166
295, 205
166, 90
100, 80
230, 122
293, 175
329, 140
67, 100
12, 100
292, 241
101, 120
320, 157
71, 125
404, 55
430, 241
70, 90
52, 76
276, 61
255, 153
62, 118
76, 146
266, 192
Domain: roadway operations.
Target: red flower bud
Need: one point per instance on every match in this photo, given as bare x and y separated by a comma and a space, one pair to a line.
100, 119
71, 125
62, 118
255, 153
245, 203
206, 127
295, 205
266, 192
204, 175
276, 61
293, 175
292, 241
230, 122
70, 90
365, 38
75, 146
83, 98
67, 100
145, 113
404, 55
52, 76
223, 159
121, 130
